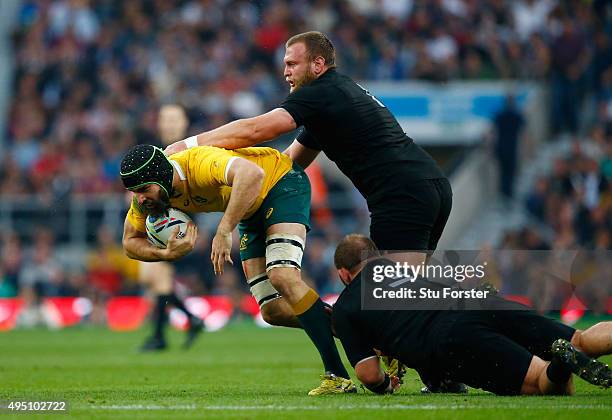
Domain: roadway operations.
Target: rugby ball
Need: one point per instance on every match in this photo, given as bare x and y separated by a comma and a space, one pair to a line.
159, 228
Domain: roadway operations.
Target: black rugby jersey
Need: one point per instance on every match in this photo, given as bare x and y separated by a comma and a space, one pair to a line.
358, 133
408, 335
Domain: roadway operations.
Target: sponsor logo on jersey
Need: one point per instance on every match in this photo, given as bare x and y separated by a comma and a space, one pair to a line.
269, 212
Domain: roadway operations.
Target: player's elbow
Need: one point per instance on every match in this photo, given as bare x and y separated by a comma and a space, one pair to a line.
126, 250
301, 155
291, 152
125, 244
127, 247
369, 377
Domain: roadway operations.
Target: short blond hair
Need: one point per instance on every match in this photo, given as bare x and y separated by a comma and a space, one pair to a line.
317, 45
351, 249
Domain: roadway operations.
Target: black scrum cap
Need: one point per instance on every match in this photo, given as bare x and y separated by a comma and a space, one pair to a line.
146, 164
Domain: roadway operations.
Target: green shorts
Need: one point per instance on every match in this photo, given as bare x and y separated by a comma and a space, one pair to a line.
287, 202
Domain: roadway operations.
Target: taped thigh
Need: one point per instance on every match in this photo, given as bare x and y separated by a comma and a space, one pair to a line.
284, 250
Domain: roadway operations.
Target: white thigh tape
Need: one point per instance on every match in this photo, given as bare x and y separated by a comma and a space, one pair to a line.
262, 289
284, 250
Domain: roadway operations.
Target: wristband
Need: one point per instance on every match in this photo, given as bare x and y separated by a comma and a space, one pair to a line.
191, 142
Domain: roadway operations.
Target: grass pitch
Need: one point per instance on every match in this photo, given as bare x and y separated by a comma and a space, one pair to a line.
239, 372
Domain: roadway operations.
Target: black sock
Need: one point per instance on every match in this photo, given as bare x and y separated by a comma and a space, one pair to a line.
558, 372
178, 304
159, 317
317, 325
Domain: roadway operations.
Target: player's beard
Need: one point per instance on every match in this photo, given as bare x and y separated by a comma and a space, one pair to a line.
159, 206
308, 77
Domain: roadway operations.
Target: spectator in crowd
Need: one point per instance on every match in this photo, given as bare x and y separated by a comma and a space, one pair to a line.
42, 272
536, 200
40, 275
508, 123
570, 59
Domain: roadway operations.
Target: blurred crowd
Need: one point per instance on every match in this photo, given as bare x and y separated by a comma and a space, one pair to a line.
91, 75
570, 209
574, 200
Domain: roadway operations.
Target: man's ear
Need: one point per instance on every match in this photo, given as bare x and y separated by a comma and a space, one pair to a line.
345, 275
318, 65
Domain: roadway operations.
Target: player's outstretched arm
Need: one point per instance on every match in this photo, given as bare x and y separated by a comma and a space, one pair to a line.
137, 246
240, 133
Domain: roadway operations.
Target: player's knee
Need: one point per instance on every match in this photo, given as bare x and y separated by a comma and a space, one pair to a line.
368, 376
270, 318
277, 279
284, 279
273, 314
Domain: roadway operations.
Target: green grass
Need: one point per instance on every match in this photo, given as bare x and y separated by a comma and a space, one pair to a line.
239, 372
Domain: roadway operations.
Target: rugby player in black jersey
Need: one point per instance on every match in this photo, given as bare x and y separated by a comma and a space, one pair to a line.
503, 351
408, 196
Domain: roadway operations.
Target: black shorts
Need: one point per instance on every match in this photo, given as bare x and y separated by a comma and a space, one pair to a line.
412, 216
492, 350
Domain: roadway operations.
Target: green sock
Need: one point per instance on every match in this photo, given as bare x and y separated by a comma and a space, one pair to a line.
317, 325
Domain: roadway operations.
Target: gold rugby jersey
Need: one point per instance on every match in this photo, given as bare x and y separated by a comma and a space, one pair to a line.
203, 171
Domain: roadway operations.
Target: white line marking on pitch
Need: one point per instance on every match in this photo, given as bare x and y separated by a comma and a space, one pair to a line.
346, 407
144, 407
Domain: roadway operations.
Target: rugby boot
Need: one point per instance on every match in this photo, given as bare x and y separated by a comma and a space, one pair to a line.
332, 384
591, 370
